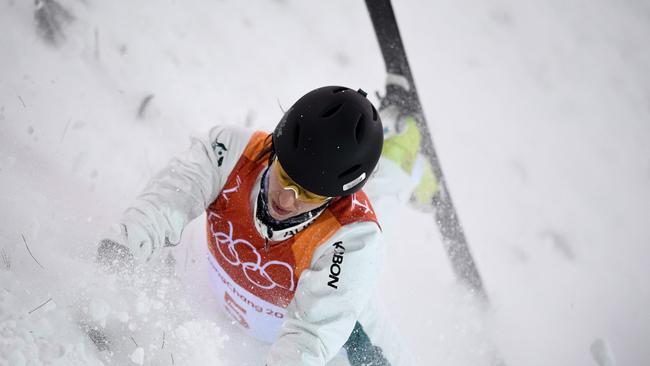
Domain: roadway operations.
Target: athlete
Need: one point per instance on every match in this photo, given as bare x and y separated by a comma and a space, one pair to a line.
295, 247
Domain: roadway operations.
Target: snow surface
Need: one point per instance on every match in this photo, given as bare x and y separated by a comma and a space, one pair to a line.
540, 112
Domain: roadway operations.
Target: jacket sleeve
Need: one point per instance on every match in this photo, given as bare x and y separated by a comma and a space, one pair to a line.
180, 192
329, 298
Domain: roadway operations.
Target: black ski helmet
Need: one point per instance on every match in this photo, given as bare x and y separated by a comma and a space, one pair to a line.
330, 140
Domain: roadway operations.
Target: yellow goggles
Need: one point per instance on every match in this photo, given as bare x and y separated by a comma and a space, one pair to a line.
301, 193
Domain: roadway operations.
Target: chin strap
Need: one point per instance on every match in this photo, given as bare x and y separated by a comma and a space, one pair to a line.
272, 229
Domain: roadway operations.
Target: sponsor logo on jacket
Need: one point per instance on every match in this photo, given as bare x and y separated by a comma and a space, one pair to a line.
335, 268
220, 149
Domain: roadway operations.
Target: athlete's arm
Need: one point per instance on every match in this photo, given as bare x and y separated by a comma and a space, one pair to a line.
329, 298
179, 192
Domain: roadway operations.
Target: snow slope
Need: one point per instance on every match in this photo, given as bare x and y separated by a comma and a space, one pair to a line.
540, 113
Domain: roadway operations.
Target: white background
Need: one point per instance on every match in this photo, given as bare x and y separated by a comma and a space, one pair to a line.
540, 112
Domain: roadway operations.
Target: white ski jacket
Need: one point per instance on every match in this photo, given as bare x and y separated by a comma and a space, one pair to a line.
333, 279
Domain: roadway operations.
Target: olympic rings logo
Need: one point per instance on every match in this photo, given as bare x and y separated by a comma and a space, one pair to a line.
233, 251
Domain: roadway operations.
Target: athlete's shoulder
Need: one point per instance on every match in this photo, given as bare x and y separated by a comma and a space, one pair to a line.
228, 143
354, 208
229, 136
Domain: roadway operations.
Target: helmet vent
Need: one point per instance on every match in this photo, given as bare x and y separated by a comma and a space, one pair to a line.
296, 138
350, 170
331, 111
374, 113
359, 129
338, 90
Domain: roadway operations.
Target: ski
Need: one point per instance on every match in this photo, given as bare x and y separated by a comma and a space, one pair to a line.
401, 92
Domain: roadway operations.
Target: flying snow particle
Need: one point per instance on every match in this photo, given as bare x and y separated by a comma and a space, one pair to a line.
138, 356
99, 310
602, 353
